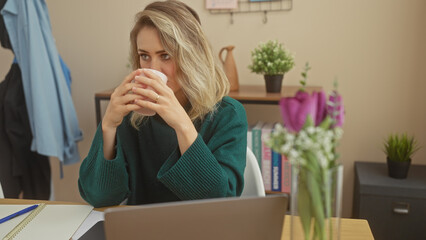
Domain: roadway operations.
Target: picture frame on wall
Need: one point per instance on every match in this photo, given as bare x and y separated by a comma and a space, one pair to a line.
221, 4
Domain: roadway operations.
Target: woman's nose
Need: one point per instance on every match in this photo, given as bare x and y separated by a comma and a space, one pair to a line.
155, 64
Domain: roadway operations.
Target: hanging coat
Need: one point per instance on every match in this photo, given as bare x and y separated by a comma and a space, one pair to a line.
51, 112
4, 37
21, 170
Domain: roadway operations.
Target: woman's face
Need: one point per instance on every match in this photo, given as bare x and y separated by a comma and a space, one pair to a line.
152, 55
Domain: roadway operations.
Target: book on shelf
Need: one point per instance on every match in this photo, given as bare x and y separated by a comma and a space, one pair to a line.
275, 167
286, 175
256, 132
276, 171
267, 157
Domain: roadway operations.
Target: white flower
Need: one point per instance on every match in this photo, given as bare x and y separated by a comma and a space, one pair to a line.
302, 134
315, 140
293, 154
275, 134
338, 133
323, 161
280, 129
289, 138
310, 130
286, 147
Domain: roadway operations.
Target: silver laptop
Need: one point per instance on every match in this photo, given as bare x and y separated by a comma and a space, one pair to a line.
225, 218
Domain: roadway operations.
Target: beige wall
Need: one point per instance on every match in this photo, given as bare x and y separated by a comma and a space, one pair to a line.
377, 49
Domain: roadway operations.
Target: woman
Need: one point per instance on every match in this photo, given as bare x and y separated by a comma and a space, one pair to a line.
194, 147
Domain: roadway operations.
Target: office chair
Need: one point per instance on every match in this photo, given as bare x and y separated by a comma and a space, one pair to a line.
253, 182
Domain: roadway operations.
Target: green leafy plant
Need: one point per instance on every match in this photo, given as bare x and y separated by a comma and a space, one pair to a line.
304, 76
271, 58
400, 148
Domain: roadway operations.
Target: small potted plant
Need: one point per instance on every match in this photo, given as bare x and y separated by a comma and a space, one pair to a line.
273, 61
399, 149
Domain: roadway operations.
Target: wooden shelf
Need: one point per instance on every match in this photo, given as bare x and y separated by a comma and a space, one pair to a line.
247, 94
256, 94
275, 192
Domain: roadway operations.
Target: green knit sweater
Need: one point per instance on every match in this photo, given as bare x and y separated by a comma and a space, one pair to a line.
149, 168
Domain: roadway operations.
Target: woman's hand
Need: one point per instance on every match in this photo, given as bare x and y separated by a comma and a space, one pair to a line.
164, 102
162, 99
121, 103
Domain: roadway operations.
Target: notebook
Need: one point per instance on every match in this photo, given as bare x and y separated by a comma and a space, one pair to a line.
48, 222
251, 218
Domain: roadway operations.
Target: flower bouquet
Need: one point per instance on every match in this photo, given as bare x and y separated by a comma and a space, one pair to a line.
309, 139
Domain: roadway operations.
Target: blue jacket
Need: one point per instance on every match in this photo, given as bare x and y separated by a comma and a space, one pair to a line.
51, 112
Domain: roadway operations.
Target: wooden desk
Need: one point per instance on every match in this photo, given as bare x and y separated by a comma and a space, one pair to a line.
351, 229
250, 94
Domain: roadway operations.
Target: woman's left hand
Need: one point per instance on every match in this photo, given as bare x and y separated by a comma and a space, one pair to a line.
163, 101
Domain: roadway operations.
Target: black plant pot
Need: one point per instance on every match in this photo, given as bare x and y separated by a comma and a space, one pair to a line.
273, 83
398, 169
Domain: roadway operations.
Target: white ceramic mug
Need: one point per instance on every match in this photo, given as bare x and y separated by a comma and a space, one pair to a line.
146, 111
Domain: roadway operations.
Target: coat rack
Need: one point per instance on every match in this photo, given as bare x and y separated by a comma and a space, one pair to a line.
248, 6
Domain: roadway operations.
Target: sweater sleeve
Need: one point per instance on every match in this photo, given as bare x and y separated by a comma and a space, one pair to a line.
103, 182
214, 164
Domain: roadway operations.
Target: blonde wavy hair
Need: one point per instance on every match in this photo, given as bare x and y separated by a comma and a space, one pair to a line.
202, 80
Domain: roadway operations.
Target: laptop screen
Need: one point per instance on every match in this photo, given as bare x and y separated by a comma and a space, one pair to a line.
224, 218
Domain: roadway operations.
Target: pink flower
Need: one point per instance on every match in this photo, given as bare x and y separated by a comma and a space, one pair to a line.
336, 110
321, 107
295, 110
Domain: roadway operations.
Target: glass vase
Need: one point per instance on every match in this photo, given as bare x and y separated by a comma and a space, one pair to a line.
316, 203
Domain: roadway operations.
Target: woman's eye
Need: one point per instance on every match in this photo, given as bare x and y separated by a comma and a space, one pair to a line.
165, 56
144, 57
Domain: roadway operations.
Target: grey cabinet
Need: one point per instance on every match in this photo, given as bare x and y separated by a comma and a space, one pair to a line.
394, 208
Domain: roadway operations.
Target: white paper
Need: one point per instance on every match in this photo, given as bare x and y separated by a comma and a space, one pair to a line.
55, 222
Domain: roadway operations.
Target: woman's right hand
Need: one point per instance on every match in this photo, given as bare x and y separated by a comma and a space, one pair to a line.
121, 102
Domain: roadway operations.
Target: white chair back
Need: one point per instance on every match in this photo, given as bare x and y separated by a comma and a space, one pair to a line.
1, 192
253, 181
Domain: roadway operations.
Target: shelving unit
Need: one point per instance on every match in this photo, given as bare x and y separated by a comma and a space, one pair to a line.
250, 94
247, 6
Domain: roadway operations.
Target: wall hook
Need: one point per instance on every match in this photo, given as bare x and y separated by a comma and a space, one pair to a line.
232, 18
265, 17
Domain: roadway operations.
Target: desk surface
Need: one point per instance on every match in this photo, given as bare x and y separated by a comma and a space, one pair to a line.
351, 229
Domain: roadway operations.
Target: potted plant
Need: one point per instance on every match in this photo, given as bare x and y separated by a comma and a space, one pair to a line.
273, 61
399, 149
